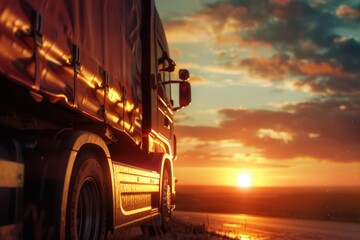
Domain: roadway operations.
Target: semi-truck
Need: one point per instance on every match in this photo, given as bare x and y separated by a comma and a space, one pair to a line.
87, 104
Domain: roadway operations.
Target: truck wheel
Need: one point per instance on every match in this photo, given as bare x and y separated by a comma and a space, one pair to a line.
166, 201
86, 217
165, 209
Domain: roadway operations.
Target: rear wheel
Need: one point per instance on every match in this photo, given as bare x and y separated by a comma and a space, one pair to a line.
86, 218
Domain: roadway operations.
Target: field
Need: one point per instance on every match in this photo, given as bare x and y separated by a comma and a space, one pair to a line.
333, 204
211, 213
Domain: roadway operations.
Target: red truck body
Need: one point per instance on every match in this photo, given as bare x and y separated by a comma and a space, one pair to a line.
86, 118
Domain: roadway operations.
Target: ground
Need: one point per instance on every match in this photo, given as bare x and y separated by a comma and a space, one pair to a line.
179, 230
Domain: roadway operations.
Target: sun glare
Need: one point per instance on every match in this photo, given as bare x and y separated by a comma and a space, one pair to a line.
244, 180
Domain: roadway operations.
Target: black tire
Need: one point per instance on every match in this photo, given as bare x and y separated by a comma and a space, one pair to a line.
163, 226
86, 213
166, 201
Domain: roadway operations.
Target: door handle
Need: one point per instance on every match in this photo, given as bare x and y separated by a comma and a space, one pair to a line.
166, 123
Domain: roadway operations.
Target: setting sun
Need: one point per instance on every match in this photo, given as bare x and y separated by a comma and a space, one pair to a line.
244, 180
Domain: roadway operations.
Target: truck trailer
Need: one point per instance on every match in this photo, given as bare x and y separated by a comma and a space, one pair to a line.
87, 106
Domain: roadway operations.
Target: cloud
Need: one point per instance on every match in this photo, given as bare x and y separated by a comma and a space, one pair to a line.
223, 69
347, 12
223, 153
198, 158
270, 133
319, 68
195, 79
280, 2
187, 30
349, 86
319, 129
302, 36
315, 3
274, 68
175, 52
305, 45
322, 77
181, 117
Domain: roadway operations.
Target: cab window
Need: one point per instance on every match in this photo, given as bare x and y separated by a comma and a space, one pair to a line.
163, 75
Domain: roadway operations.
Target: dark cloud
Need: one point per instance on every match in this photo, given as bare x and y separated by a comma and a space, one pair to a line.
309, 46
302, 36
300, 33
275, 68
349, 86
347, 54
320, 129
325, 77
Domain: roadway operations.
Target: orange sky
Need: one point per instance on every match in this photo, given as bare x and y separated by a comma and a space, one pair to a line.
275, 91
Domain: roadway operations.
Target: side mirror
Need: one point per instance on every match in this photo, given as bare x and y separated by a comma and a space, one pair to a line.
184, 94
184, 74
184, 89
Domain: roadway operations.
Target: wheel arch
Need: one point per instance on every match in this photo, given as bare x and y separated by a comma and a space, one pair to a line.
79, 142
168, 164
162, 161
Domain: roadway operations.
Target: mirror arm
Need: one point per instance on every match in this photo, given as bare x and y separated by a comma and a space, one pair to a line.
177, 108
173, 81
171, 62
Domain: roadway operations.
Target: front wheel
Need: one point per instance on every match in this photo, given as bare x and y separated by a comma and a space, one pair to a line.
162, 224
166, 201
86, 218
